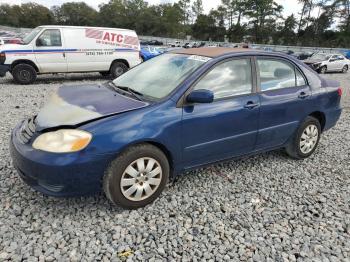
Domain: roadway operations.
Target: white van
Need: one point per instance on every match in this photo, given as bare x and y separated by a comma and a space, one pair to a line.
69, 49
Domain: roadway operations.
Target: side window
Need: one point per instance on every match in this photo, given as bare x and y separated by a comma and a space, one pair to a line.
50, 37
276, 74
230, 78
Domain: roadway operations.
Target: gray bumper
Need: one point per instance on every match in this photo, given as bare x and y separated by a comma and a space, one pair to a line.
4, 69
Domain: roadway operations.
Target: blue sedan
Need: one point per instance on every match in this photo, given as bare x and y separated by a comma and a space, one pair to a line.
179, 111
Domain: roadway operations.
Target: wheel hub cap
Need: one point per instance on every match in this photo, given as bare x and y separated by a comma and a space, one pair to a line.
141, 179
309, 139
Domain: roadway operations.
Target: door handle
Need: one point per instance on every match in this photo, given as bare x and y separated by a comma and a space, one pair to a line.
251, 105
303, 95
64, 54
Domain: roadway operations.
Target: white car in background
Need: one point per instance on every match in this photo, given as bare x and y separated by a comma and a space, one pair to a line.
323, 63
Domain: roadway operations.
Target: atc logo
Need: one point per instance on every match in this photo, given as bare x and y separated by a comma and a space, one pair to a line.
112, 38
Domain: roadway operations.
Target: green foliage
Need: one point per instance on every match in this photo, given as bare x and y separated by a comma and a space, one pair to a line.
258, 21
75, 13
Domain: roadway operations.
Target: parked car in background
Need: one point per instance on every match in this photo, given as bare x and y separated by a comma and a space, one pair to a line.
10, 40
302, 55
287, 52
347, 54
148, 52
176, 44
152, 42
323, 63
179, 111
69, 49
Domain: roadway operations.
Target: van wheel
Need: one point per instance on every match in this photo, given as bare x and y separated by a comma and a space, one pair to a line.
305, 140
117, 69
137, 176
24, 74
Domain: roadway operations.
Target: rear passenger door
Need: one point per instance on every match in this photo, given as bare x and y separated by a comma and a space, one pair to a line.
284, 98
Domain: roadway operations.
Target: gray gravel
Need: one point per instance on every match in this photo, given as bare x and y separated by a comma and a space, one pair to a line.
263, 208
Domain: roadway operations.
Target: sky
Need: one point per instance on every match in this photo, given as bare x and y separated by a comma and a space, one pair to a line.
290, 6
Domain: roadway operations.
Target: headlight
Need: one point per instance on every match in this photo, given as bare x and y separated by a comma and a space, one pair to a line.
63, 141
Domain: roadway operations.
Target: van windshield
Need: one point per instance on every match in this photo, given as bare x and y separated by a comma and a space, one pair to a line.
158, 77
28, 38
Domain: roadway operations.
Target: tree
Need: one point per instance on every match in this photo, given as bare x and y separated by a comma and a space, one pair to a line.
75, 13
262, 15
9, 15
197, 8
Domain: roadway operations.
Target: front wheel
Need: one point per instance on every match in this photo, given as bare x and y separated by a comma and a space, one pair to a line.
24, 74
305, 141
345, 69
137, 176
323, 70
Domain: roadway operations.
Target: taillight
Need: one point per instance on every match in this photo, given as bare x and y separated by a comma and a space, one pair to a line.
340, 91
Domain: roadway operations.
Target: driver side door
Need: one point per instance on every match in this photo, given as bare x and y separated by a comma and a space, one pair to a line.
228, 126
49, 52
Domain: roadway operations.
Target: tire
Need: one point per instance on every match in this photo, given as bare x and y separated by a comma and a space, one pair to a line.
105, 74
323, 70
117, 69
134, 194
345, 69
24, 74
298, 148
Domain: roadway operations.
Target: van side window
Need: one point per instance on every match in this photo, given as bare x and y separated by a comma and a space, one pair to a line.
50, 37
277, 74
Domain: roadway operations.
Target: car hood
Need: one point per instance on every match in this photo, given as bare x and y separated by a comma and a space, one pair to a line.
312, 61
10, 47
74, 105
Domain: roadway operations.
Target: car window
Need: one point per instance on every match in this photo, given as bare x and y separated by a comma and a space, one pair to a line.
340, 57
50, 37
230, 78
276, 74
300, 78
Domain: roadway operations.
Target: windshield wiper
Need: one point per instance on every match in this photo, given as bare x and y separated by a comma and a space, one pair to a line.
129, 90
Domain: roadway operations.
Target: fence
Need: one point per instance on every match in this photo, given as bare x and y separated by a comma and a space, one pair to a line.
168, 41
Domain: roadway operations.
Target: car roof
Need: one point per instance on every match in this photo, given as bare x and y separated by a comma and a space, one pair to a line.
211, 51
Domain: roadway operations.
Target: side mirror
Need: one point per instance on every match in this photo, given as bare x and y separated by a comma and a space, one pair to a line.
39, 42
331, 60
200, 96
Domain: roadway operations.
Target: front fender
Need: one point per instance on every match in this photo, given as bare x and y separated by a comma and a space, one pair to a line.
158, 124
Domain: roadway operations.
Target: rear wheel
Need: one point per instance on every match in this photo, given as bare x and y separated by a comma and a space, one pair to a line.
305, 141
345, 69
24, 74
137, 176
118, 68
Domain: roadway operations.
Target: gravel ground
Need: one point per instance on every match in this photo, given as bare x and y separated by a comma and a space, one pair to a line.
263, 208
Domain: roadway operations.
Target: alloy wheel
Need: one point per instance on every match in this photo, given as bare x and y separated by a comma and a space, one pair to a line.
141, 179
308, 139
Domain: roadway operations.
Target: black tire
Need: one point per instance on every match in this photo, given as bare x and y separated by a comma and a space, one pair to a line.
323, 70
345, 69
115, 172
293, 149
24, 74
105, 73
118, 68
